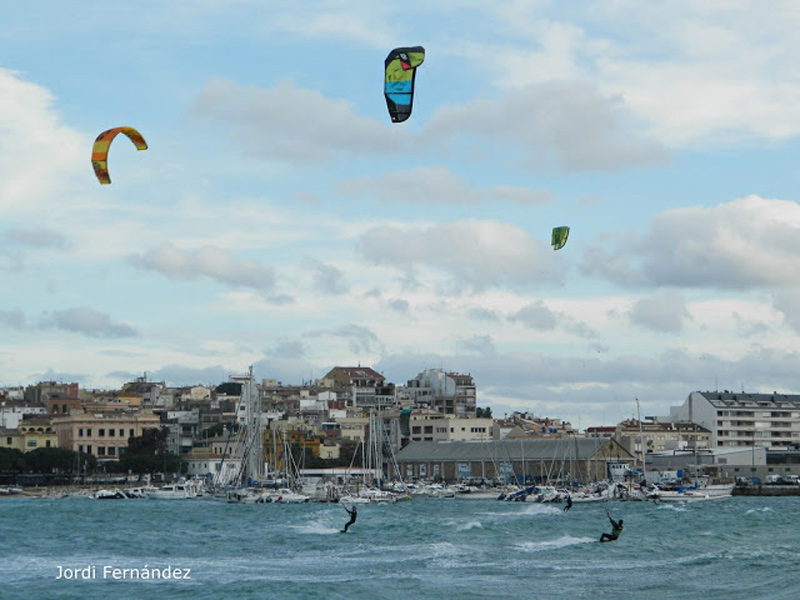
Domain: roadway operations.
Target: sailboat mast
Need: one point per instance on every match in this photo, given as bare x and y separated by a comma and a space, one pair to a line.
641, 441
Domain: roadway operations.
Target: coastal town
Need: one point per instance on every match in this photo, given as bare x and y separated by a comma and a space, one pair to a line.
353, 423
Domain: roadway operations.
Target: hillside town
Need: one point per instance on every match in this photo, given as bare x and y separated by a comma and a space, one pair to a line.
429, 429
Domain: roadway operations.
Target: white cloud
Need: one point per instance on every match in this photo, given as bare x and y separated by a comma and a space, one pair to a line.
747, 243
472, 254
39, 156
663, 311
208, 261
694, 72
38, 238
291, 124
436, 184
565, 125
88, 322
329, 279
536, 316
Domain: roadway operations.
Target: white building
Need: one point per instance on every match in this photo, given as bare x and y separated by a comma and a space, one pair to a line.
449, 393
743, 419
436, 427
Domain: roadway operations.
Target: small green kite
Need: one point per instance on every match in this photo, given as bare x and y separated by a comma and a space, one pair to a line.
560, 235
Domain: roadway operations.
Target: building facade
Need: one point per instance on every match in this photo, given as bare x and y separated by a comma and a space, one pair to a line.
563, 460
738, 420
446, 392
104, 435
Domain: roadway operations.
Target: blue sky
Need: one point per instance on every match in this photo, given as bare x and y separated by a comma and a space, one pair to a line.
280, 219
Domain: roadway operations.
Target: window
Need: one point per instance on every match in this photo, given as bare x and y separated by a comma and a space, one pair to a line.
80, 447
31, 443
130, 433
112, 451
80, 431
47, 444
122, 432
101, 433
101, 451
89, 449
89, 433
111, 433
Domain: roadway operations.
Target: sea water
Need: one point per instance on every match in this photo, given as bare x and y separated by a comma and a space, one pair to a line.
417, 549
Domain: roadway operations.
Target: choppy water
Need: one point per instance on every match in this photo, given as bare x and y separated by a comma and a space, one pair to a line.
418, 549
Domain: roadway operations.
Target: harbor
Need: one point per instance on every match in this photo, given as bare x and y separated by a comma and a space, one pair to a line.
431, 548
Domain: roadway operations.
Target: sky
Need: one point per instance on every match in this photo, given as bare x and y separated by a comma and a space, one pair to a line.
280, 219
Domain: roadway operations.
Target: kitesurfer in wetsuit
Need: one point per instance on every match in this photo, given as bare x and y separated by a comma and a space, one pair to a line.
569, 503
616, 529
352, 513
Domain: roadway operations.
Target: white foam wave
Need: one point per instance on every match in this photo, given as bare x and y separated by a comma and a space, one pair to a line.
763, 509
316, 527
470, 525
561, 542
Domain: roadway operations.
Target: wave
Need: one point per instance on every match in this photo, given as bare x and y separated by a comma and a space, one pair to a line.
562, 542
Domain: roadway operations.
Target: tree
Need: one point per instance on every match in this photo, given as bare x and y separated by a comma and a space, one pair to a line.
12, 460
152, 441
230, 388
483, 413
52, 460
148, 453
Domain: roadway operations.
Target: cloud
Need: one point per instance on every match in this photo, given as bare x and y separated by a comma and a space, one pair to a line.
89, 322
363, 22
180, 375
663, 311
398, 305
473, 254
483, 314
555, 125
692, 73
13, 319
787, 301
567, 125
39, 156
329, 279
437, 184
743, 244
208, 261
38, 238
535, 315
291, 124
479, 344
360, 340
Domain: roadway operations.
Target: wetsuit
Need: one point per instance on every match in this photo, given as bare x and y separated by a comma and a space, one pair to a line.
352, 519
615, 531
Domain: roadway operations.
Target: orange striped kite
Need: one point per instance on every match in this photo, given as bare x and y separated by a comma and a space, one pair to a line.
103, 142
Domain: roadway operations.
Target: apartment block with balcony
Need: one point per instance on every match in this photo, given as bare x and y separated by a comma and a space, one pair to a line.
446, 392
739, 419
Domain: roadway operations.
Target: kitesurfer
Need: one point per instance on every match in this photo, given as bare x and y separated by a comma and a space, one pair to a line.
616, 529
569, 503
353, 514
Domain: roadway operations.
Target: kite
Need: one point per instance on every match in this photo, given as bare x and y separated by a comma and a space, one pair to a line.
401, 67
101, 145
560, 235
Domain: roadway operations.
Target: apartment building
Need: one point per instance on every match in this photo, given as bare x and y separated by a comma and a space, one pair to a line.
737, 419
104, 435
